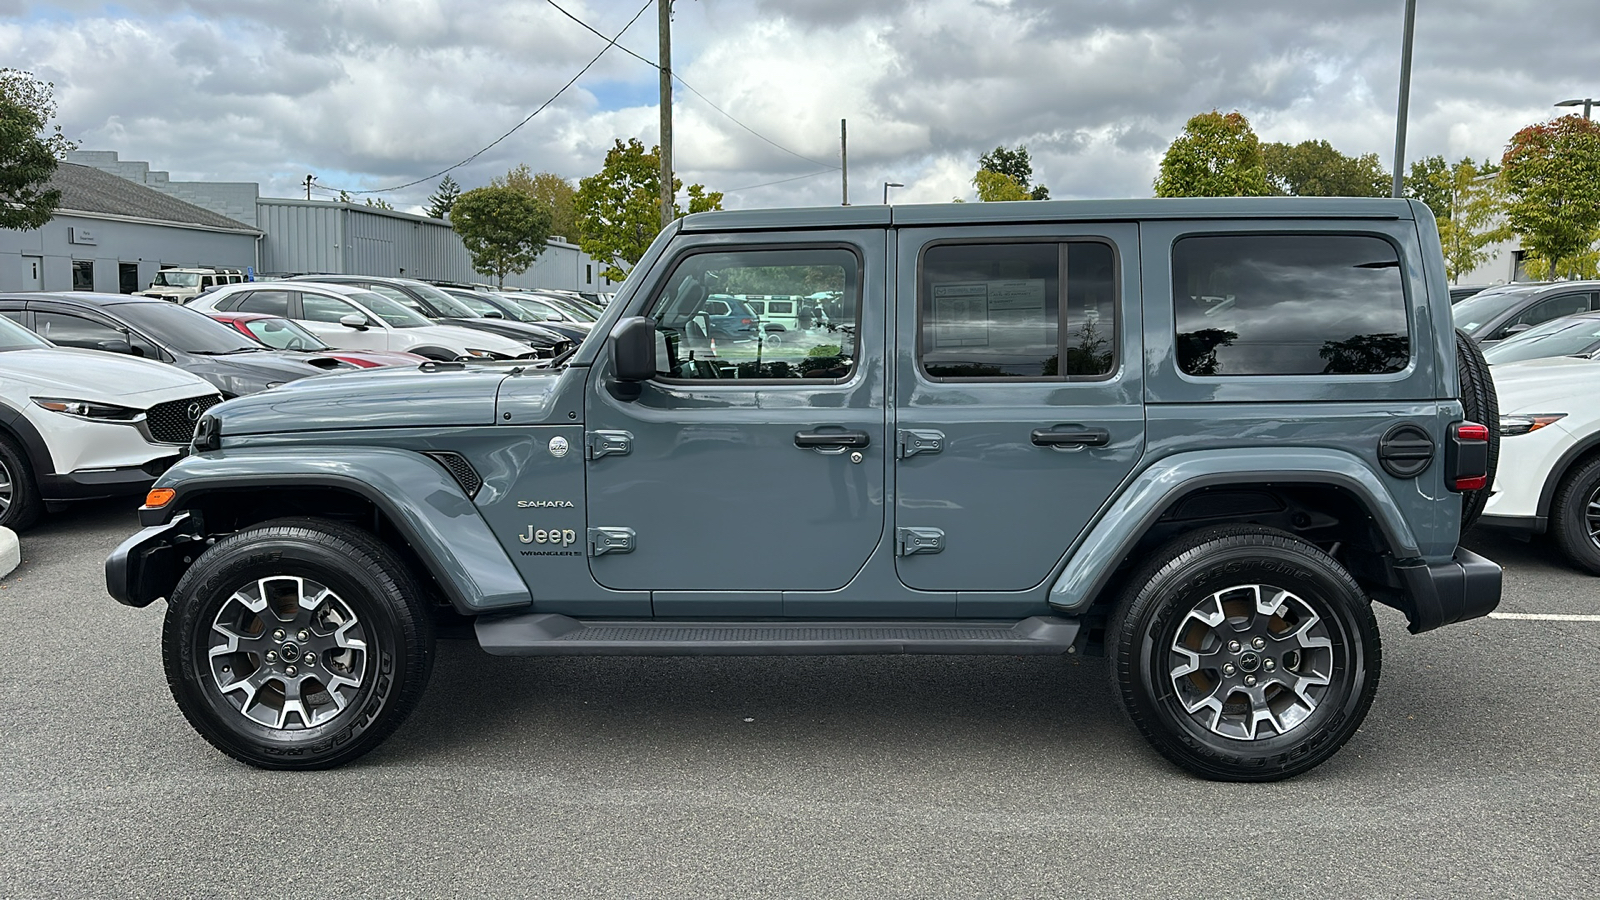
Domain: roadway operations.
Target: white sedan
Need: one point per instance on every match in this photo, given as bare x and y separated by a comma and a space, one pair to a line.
1548, 478
81, 424
353, 318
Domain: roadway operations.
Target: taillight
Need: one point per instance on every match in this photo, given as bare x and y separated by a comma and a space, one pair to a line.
1467, 457
747, 321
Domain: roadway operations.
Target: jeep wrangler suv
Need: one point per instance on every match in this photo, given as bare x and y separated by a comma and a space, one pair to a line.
1199, 437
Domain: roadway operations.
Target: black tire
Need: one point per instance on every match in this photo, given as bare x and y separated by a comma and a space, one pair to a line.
1480, 404
19, 490
373, 600
1216, 567
1575, 516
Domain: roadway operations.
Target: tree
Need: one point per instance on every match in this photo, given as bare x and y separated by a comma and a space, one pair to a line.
1316, 169
504, 230
554, 192
619, 207
1474, 216
30, 150
444, 198
1430, 177
1551, 175
1216, 156
1016, 164
379, 203
993, 186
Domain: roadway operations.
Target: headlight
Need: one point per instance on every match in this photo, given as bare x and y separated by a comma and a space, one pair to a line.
275, 384
484, 354
1514, 425
83, 409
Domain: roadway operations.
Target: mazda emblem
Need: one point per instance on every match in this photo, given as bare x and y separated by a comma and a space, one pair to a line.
193, 411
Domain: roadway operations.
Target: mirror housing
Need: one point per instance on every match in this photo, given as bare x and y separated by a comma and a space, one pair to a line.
554, 317
353, 321
115, 346
1518, 328
633, 355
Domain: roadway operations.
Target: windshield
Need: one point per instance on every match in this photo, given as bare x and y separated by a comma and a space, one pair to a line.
1473, 313
184, 329
388, 310
571, 308
1560, 337
15, 337
451, 307
176, 279
478, 305
282, 334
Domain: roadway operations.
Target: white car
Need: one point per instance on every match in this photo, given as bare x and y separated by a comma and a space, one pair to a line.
81, 424
353, 318
1548, 478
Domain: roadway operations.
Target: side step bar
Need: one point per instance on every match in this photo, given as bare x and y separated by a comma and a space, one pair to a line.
548, 634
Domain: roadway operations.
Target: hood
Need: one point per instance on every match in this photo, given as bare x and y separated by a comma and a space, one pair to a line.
456, 335
98, 376
1551, 385
397, 397
238, 374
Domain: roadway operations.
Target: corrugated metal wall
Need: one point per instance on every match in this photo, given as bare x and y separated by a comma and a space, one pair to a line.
319, 236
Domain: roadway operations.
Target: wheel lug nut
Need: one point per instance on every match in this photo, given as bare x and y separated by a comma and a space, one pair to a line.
1257, 643
291, 670
1228, 669
277, 635
302, 635
272, 656
1249, 680
1268, 664
311, 660
1233, 647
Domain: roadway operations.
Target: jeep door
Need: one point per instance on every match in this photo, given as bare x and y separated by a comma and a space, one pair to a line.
743, 468
1017, 402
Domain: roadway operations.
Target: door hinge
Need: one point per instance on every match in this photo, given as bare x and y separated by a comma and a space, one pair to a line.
610, 540
608, 443
909, 442
911, 541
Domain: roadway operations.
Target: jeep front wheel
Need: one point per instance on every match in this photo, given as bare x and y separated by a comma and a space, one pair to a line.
1245, 654
297, 644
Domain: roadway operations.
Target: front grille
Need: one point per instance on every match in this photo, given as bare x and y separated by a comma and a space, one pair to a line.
173, 422
460, 469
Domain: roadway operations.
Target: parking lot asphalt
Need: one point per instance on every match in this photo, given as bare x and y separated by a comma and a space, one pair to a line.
1474, 775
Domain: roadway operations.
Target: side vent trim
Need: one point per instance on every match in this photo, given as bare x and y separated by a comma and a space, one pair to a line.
459, 469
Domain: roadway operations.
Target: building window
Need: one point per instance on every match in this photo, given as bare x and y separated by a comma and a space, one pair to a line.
588, 274
83, 274
127, 278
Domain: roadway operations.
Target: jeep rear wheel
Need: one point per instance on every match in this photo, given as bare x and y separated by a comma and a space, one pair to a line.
1245, 654
297, 644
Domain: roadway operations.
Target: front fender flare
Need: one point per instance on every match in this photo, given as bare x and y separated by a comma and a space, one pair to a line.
1155, 489
418, 496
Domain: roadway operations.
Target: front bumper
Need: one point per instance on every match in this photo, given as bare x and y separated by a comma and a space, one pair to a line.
146, 566
1466, 587
96, 484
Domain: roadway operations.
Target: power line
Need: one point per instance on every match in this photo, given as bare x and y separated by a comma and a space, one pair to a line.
751, 187
610, 42
691, 88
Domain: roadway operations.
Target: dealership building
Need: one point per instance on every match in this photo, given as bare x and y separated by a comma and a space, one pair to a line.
120, 222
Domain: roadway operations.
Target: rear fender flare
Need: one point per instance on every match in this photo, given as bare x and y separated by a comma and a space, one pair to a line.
418, 496
1154, 491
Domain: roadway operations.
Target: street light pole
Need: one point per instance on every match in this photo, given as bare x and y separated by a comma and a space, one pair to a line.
886, 186
1587, 103
1405, 98
664, 25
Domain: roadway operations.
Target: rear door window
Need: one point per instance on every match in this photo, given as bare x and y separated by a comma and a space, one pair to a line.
1300, 304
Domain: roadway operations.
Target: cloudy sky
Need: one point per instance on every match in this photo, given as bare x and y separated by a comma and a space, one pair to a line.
369, 94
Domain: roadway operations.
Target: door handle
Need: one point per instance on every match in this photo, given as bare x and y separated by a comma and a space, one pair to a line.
1080, 437
832, 439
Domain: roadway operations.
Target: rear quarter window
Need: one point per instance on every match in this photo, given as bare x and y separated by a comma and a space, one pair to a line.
1288, 304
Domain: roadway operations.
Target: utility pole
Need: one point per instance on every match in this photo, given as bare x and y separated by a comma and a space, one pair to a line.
1405, 99
664, 12
309, 179
844, 165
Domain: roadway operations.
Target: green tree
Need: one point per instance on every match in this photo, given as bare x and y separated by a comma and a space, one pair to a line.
1474, 216
1016, 164
619, 208
443, 198
1316, 169
379, 203
1216, 156
30, 150
1430, 178
554, 192
504, 230
1551, 176
994, 186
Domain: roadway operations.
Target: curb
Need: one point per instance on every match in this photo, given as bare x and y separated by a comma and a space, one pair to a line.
10, 551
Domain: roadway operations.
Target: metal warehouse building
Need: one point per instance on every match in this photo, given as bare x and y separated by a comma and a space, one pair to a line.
113, 235
296, 236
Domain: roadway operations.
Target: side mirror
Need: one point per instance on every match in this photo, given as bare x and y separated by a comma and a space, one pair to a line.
353, 321
114, 346
554, 317
1518, 328
633, 355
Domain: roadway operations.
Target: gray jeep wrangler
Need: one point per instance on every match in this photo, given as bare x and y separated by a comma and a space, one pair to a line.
1199, 437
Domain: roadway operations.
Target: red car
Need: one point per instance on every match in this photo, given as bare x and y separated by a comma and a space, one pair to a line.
281, 334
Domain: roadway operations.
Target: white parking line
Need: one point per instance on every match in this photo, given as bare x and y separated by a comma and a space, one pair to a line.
1544, 617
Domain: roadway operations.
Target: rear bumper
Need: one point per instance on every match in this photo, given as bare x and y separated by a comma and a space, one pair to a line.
145, 567
1525, 524
1466, 587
